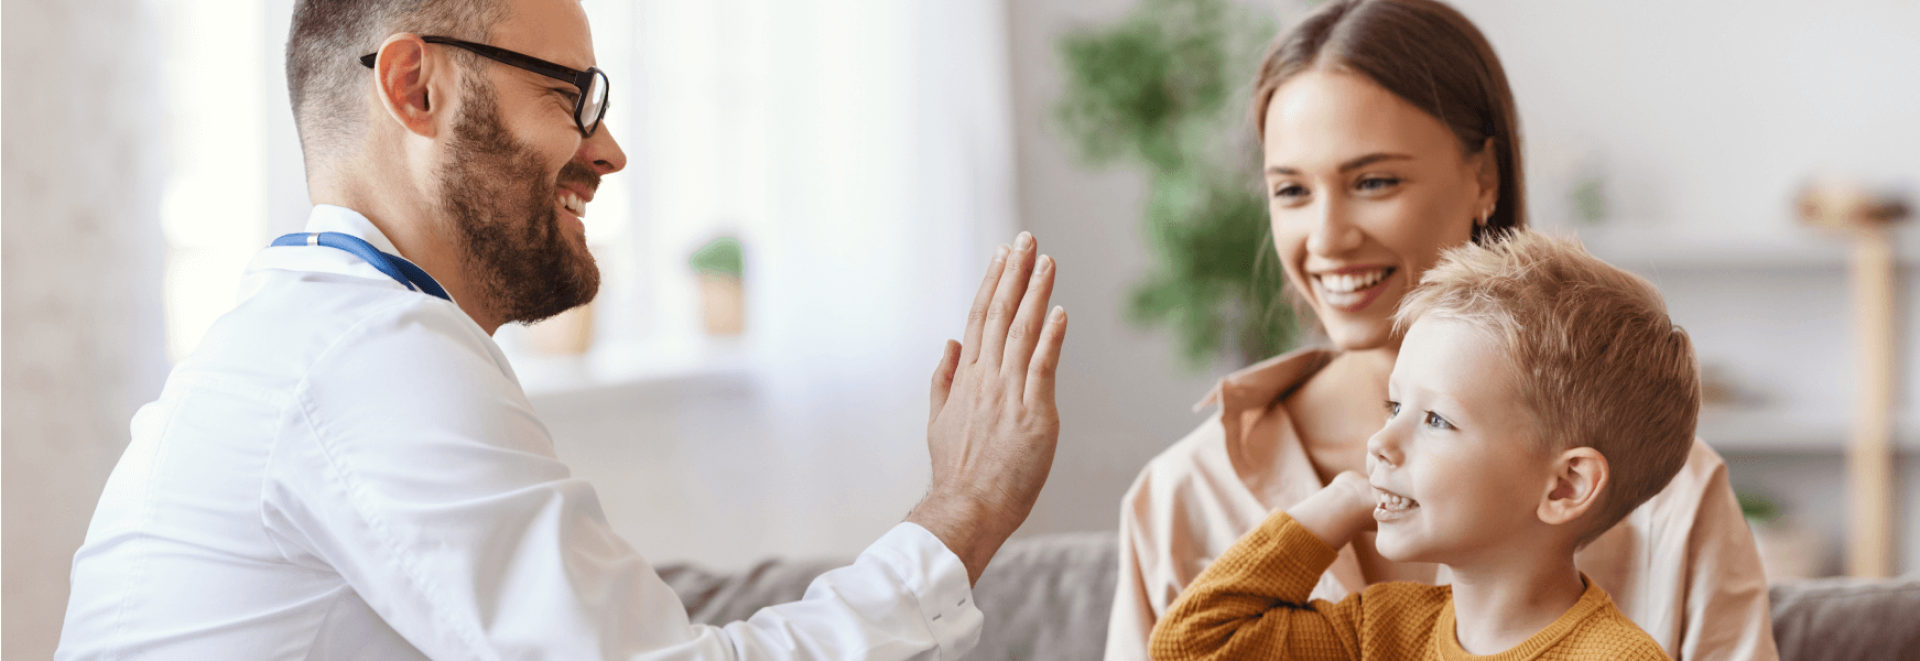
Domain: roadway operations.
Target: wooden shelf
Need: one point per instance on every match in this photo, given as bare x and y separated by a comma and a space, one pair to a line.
1794, 248
1786, 431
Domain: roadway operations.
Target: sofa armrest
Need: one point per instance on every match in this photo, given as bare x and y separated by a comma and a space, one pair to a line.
1835, 619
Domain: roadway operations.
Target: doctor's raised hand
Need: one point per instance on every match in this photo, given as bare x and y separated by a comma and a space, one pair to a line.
993, 426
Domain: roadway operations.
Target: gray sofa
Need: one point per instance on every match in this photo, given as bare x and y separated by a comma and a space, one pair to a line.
1047, 598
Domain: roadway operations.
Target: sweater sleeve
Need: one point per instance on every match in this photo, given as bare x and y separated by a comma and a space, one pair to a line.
1252, 603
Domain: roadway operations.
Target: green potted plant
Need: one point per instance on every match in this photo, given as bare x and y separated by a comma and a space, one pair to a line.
1164, 89
720, 264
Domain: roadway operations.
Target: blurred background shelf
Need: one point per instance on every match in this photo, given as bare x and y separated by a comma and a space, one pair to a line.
1780, 430
1646, 248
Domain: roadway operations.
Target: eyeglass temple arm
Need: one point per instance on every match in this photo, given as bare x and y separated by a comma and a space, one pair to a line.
579, 78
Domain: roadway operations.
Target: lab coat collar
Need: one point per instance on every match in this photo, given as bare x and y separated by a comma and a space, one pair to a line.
330, 218
327, 218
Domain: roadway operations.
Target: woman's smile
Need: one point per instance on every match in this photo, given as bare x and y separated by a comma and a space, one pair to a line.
1352, 289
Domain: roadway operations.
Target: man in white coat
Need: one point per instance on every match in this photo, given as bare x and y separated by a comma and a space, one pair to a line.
348, 468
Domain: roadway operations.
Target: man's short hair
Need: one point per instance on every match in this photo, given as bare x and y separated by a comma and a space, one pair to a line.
1598, 361
324, 76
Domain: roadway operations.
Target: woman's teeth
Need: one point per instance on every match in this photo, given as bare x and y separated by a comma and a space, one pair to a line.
1349, 291
1348, 283
573, 203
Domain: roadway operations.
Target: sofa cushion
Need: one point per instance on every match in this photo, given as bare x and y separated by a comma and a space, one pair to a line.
1043, 597
1048, 597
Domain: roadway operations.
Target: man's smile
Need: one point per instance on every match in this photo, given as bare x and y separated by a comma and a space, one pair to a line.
573, 202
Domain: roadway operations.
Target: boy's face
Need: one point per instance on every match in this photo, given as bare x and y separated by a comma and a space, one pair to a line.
1457, 468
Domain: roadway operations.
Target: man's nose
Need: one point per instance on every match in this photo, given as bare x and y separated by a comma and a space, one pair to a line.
1333, 231
602, 152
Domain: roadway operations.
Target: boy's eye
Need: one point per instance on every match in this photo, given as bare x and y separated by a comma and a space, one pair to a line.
1435, 421
1393, 409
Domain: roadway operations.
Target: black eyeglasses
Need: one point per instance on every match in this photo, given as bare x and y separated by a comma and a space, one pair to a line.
588, 110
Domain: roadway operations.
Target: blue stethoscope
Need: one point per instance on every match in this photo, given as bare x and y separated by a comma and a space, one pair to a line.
401, 270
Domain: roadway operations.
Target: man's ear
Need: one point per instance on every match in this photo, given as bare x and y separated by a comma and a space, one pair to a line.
1579, 475
403, 75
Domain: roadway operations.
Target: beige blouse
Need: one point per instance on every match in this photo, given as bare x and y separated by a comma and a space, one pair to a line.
1682, 566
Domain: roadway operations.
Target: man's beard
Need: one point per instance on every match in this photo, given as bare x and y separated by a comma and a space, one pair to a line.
497, 196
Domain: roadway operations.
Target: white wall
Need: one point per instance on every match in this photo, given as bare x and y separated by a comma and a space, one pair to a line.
1708, 115
82, 251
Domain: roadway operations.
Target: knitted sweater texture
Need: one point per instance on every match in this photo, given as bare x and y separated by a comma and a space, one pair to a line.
1252, 604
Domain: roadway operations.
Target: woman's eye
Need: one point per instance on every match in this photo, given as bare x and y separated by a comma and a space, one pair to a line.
1289, 192
1435, 421
1377, 183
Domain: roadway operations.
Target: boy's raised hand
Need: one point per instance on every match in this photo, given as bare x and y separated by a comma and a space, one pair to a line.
1339, 511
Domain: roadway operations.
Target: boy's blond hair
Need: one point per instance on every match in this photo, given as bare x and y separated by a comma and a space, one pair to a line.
1598, 362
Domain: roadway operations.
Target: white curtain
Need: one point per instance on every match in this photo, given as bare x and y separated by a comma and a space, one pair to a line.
862, 152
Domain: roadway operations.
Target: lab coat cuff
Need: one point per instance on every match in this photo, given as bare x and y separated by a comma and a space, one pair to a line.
938, 580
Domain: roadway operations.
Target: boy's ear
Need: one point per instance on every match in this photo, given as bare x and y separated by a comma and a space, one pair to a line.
1578, 477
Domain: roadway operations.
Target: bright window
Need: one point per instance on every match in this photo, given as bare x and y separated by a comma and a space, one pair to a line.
215, 198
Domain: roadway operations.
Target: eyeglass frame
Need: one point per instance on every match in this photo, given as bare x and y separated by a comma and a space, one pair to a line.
580, 79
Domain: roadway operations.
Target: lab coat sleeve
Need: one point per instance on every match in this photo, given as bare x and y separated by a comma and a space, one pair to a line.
411, 464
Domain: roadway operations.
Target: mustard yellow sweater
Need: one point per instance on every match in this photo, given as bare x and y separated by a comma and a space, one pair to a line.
1252, 604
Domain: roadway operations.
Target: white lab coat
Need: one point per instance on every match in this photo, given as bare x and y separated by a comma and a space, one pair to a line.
347, 469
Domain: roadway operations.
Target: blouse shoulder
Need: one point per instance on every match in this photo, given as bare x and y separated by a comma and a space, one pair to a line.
1196, 477
1192, 460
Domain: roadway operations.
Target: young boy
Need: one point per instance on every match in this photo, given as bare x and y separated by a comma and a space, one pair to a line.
1539, 396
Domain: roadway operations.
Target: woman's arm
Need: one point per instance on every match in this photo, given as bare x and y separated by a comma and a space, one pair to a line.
1684, 568
1252, 603
1133, 607
1727, 614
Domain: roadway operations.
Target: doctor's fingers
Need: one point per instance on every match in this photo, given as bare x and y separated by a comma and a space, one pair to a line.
1006, 302
943, 379
1024, 332
1046, 362
977, 315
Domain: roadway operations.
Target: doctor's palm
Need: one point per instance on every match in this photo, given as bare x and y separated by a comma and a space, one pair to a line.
994, 426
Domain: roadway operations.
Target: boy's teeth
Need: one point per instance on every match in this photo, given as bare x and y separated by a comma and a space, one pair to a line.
1395, 502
